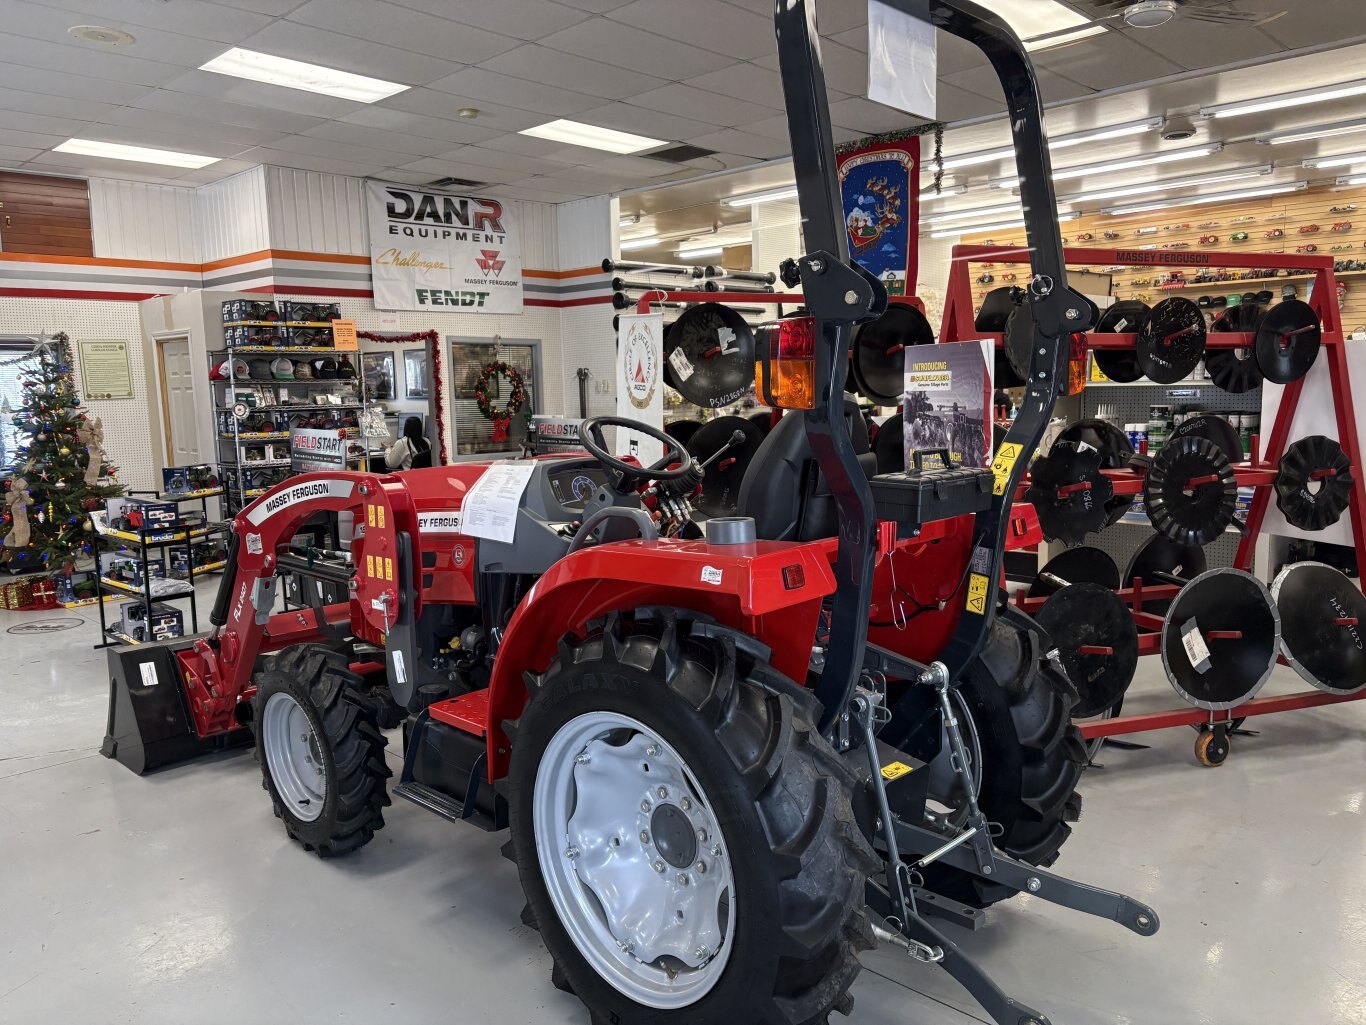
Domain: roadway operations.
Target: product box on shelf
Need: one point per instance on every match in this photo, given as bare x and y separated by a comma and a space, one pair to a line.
236, 310
182, 480
239, 335
206, 553
137, 514
127, 568
310, 313
165, 621
311, 337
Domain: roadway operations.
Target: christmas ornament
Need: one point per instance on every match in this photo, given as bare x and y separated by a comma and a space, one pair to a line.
502, 418
17, 501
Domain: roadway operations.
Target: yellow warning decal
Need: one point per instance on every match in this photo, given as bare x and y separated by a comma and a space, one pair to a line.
369, 565
1003, 464
895, 770
380, 514
977, 594
371, 515
388, 569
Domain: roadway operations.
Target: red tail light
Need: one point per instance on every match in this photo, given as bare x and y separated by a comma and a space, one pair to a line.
785, 368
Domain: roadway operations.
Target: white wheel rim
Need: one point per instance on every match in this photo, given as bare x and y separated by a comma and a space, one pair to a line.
653, 914
294, 757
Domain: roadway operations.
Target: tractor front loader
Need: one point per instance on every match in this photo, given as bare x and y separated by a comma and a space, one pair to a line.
724, 773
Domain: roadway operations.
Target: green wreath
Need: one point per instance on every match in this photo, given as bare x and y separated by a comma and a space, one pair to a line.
502, 418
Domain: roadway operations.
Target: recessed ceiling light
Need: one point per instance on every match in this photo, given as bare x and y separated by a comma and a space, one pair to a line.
769, 196
1146, 160
1355, 179
628, 244
1336, 160
142, 154
1062, 38
1031, 18
964, 229
977, 211
468, 112
1216, 197
1145, 188
102, 34
1315, 132
576, 133
986, 156
1295, 99
699, 252
292, 74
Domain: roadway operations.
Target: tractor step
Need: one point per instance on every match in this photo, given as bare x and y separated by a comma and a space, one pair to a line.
468, 712
433, 800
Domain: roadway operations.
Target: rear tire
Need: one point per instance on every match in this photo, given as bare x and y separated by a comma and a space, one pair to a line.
1032, 754
321, 750
713, 711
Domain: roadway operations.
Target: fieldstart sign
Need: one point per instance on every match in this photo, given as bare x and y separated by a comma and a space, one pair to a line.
439, 251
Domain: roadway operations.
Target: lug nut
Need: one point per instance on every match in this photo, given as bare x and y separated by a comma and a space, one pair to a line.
685, 804
716, 850
653, 750
571, 852
682, 879
581, 759
701, 868
644, 837
702, 953
701, 836
663, 792
645, 807
659, 866
626, 948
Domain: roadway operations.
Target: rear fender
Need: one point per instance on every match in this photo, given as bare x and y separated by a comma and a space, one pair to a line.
771, 591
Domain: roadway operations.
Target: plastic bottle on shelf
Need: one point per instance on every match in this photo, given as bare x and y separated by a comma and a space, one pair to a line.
1159, 427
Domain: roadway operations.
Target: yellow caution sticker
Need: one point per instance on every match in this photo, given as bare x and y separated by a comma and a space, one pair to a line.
370, 515
380, 514
370, 565
895, 770
977, 594
1003, 464
388, 569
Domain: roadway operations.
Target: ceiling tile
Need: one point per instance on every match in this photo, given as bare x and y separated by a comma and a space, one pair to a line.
33, 140
451, 130
526, 19
1310, 22
956, 54
486, 85
427, 103
77, 87
56, 106
537, 63
744, 81
43, 124
404, 28
163, 138
502, 160
313, 146
831, 15
214, 172
200, 19
710, 24
956, 104
774, 127
866, 116
189, 127
527, 144
293, 157
240, 92
536, 195
730, 140
16, 155
854, 38
56, 59
37, 21
686, 101
651, 123
378, 139
595, 6
1191, 49
93, 167
629, 47
275, 8
349, 53
983, 82
1103, 62
215, 111
846, 70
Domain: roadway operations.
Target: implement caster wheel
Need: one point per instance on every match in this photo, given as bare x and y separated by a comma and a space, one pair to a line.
1212, 747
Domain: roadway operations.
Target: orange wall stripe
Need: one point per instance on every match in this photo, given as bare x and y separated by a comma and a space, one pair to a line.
558, 275
100, 261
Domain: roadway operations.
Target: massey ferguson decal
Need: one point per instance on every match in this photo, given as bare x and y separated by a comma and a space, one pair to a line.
431, 249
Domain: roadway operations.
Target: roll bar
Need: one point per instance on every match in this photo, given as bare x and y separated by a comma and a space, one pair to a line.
840, 294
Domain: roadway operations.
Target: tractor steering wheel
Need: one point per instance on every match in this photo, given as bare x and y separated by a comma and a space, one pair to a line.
590, 437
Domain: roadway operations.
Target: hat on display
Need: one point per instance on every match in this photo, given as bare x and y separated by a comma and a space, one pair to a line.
282, 369
345, 369
1204, 300
230, 368
260, 369
1264, 296
1234, 300
1250, 297
302, 371
325, 369
1288, 292
1219, 300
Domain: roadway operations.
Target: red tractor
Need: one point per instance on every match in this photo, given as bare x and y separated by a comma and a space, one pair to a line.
722, 776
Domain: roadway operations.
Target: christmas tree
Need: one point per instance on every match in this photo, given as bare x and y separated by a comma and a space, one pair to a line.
60, 471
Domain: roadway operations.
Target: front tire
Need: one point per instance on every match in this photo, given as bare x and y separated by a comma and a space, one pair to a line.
321, 750
684, 836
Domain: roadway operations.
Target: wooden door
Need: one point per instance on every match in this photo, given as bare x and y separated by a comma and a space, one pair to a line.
45, 215
179, 414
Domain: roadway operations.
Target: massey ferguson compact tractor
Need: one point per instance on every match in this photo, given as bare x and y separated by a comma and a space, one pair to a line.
726, 766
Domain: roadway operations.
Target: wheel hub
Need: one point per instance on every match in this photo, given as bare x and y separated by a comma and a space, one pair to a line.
294, 756
674, 836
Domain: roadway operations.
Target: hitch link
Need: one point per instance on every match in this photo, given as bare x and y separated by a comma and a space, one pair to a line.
913, 949
934, 856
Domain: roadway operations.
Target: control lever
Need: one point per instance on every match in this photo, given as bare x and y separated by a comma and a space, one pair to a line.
737, 437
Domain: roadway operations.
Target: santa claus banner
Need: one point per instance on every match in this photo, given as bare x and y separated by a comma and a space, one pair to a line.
880, 189
640, 382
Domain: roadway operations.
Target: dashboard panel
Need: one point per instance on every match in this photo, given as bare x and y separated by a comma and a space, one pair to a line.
572, 486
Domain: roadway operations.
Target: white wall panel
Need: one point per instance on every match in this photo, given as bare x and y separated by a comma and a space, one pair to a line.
232, 216
315, 212
584, 232
142, 221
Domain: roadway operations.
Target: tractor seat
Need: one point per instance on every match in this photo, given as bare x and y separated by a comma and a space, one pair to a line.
783, 490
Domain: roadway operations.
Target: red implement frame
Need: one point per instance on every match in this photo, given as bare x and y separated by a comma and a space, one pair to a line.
1259, 472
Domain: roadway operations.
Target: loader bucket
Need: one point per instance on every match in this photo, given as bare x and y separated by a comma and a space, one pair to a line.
149, 719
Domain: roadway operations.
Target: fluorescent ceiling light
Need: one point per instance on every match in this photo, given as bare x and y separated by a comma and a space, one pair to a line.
977, 211
1314, 132
1062, 38
576, 133
973, 229
1168, 183
930, 195
698, 253
986, 156
1354, 179
142, 154
1031, 18
1280, 102
769, 196
1337, 160
629, 244
292, 74
1146, 160
1215, 197
628, 221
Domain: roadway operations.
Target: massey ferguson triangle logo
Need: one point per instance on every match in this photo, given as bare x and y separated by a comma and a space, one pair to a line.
489, 263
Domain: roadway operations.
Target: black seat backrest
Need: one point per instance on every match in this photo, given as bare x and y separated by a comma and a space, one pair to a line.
422, 460
784, 491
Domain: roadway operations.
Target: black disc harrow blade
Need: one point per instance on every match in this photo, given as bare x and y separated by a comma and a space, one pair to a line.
1212, 428
1190, 491
1314, 482
1235, 370
722, 476
1220, 639
1171, 340
879, 351
1082, 565
1161, 555
709, 355
1122, 317
1288, 341
1019, 341
1115, 451
1069, 493
1323, 626
997, 306
1097, 641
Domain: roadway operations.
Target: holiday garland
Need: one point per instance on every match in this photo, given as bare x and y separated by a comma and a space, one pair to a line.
502, 418
432, 340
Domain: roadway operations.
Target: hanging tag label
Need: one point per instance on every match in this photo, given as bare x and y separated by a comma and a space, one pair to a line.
678, 359
1196, 648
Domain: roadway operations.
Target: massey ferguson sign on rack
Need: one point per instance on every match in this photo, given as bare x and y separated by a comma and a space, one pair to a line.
438, 251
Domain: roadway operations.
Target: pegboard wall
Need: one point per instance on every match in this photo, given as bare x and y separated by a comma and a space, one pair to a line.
1132, 403
126, 424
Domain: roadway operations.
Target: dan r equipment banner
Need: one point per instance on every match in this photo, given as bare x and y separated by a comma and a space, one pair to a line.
439, 251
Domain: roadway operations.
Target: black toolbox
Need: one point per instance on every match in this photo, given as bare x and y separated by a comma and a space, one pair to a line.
922, 494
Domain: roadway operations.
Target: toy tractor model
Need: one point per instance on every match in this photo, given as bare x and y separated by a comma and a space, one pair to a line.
727, 765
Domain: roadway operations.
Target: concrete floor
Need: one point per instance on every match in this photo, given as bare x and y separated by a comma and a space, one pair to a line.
177, 898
